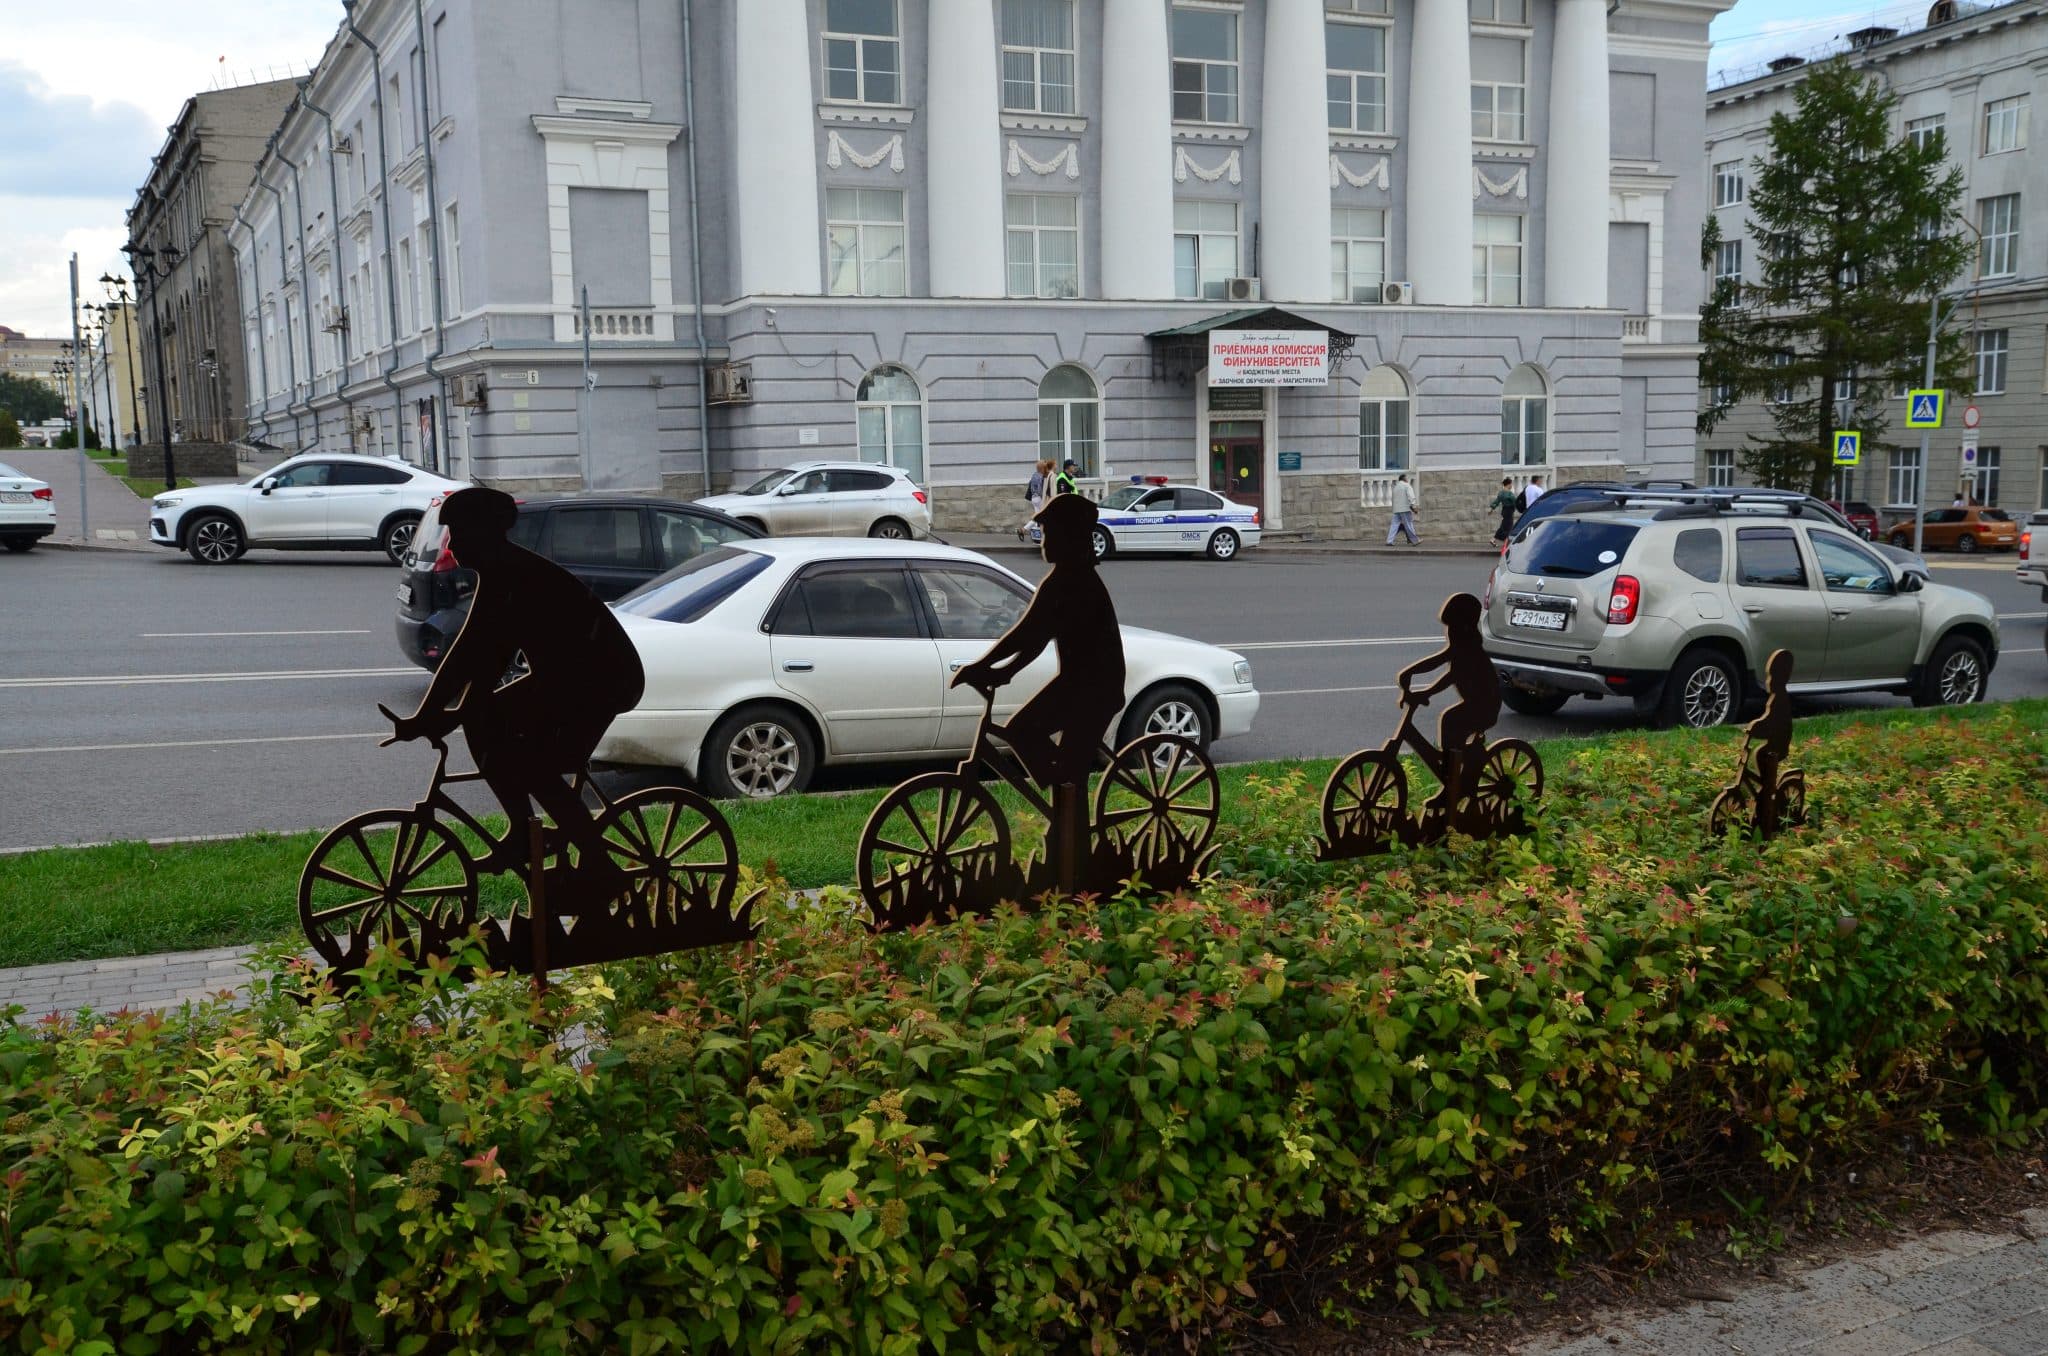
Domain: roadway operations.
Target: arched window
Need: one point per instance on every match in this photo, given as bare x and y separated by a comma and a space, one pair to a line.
1070, 419
890, 412
1524, 418
1383, 421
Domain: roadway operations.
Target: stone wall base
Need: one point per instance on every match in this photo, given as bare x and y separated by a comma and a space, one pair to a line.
192, 459
1451, 505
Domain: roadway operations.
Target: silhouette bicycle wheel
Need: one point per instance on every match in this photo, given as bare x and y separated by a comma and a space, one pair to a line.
1791, 799
930, 843
677, 850
1734, 809
416, 892
1511, 770
1365, 799
1156, 808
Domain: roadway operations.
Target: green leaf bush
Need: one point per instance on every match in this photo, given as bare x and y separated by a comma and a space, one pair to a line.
1094, 1123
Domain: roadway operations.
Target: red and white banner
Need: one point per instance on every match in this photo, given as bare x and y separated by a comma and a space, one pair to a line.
1269, 357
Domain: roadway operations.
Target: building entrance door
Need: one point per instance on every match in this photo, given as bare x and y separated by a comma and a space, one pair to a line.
1237, 461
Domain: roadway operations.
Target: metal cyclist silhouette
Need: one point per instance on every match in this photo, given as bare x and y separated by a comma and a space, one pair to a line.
941, 842
1766, 795
538, 672
1482, 787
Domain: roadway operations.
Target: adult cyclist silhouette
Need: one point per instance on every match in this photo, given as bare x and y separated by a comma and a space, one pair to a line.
1461, 729
531, 731
1056, 733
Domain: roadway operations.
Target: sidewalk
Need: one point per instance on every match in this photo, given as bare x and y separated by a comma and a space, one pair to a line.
1274, 544
117, 519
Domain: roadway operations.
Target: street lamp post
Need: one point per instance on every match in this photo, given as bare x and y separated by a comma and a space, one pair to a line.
105, 314
144, 262
117, 291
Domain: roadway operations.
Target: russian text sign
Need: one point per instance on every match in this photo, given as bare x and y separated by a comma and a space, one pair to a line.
1269, 358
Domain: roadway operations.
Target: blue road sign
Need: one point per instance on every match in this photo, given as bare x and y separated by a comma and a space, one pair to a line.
1848, 448
1924, 408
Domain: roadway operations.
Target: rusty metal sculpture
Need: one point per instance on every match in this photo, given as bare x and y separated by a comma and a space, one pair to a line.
537, 674
1483, 787
1766, 795
940, 842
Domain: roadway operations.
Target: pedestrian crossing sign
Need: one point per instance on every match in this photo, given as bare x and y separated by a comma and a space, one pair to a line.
1848, 448
1923, 408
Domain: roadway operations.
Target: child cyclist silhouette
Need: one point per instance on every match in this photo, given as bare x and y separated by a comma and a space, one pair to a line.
1056, 733
1461, 729
1770, 734
530, 734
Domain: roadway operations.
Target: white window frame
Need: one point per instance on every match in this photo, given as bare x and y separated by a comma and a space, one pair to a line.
1484, 269
1529, 416
862, 72
1902, 476
1731, 183
1726, 253
1783, 395
1998, 221
1489, 11
1381, 8
888, 408
1499, 124
1984, 477
1920, 131
408, 285
1357, 83
1345, 248
1037, 56
1089, 457
1720, 468
865, 258
1994, 358
1374, 447
1035, 232
1208, 93
2004, 126
1207, 242
451, 269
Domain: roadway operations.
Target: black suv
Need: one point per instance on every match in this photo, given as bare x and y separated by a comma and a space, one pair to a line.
614, 545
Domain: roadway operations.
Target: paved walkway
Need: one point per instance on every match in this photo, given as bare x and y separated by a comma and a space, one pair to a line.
131, 981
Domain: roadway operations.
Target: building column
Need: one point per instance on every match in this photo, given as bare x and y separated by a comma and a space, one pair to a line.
779, 231
965, 210
1137, 153
1294, 191
1439, 196
1575, 202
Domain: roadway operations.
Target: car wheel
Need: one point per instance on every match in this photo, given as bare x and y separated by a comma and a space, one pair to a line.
1222, 545
891, 529
1523, 702
20, 544
215, 540
1966, 544
1169, 709
1101, 542
1955, 674
757, 752
398, 535
1703, 691
1902, 540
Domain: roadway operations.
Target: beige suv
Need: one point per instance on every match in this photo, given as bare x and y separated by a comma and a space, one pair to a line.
1676, 600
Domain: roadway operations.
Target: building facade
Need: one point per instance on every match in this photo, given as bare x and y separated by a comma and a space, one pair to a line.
34, 359
957, 236
114, 375
181, 214
1972, 75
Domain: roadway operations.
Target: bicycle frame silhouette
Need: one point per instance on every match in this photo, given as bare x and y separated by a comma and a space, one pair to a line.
1764, 806
1365, 803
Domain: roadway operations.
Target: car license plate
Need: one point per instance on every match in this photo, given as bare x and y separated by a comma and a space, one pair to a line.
405, 595
1537, 617
17, 497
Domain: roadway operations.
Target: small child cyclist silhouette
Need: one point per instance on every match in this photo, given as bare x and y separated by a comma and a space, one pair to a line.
1774, 794
1461, 729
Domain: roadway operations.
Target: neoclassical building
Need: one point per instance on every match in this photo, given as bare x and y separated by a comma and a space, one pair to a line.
956, 235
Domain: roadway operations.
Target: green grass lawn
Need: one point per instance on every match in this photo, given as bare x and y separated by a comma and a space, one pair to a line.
145, 487
66, 904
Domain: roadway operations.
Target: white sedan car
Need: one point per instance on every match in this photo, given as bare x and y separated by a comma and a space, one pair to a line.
28, 510
831, 499
323, 501
1151, 516
765, 659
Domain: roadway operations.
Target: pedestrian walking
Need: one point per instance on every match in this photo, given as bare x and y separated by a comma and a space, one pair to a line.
1505, 504
1405, 500
1532, 492
1034, 490
1064, 482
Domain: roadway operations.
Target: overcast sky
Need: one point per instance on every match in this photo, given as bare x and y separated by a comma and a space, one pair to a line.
88, 89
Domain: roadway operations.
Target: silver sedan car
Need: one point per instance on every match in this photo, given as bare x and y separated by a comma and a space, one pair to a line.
831, 499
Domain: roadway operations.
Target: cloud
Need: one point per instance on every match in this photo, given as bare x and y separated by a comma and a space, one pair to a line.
60, 145
37, 238
1744, 40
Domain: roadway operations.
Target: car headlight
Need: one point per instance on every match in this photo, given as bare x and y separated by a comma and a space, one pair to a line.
1242, 671
167, 502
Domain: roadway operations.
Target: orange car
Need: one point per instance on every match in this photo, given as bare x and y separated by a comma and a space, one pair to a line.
1961, 529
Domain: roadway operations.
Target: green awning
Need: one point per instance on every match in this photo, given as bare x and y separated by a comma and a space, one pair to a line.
1253, 318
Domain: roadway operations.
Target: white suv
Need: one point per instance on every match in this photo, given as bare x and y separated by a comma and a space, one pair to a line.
831, 499
325, 501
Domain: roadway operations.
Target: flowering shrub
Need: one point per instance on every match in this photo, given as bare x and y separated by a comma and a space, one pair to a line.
1068, 1125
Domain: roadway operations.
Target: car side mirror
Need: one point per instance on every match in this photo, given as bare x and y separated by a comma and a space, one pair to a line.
790, 488
1911, 581
267, 484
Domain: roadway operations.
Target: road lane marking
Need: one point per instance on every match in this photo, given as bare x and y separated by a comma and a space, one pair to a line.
1335, 644
138, 679
189, 743
198, 635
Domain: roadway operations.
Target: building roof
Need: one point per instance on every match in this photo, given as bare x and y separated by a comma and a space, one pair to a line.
1251, 318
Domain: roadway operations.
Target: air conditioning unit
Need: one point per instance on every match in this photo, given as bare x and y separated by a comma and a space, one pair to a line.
1240, 289
471, 391
344, 146
729, 384
1397, 294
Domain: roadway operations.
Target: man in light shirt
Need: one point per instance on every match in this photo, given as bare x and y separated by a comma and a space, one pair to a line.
1405, 500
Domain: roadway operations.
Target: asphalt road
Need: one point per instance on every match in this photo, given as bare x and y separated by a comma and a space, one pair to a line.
144, 696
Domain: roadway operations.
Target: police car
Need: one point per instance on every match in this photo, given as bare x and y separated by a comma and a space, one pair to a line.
1151, 515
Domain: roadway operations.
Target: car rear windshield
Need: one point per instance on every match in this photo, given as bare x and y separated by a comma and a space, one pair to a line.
693, 588
1571, 548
